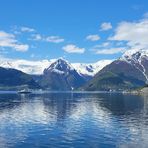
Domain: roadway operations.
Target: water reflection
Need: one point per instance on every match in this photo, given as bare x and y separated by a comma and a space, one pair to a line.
73, 120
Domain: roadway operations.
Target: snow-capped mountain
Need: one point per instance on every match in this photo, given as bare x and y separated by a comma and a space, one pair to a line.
60, 66
128, 72
37, 67
29, 67
131, 54
139, 59
61, 75
92, 68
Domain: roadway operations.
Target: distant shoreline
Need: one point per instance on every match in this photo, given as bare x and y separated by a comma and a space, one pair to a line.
75, 92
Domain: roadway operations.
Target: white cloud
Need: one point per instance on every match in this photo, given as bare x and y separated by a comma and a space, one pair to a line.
73, 49
21, 47
36, 37
105, 44
9, 40
106, 26
135, 34
111, 50
54, 39
27, 29
108, 48
51, 39
39, 37
94, 37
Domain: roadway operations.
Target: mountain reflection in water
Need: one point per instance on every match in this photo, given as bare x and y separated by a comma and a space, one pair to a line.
73, 120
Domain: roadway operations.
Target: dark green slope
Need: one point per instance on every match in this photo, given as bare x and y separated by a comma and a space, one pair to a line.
12, 78
119, 75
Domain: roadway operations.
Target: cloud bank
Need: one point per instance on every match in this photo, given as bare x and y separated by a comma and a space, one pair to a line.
71, 48
8, 40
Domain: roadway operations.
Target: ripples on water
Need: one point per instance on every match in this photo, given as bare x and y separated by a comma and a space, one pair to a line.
79, 120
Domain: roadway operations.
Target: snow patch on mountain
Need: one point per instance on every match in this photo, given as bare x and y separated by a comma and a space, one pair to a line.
136, 57
29, 67
90, 69
60, 66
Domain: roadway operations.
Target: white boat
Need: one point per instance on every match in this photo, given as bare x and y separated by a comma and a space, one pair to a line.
24, 91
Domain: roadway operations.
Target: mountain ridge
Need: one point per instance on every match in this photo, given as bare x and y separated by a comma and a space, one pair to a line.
37, 67
128, 72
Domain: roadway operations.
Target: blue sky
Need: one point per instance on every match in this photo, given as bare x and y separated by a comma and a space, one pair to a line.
79, 30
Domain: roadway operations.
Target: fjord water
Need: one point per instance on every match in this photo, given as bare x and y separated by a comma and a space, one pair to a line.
79, 120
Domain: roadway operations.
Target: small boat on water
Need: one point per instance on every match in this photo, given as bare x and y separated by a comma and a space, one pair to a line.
24, 92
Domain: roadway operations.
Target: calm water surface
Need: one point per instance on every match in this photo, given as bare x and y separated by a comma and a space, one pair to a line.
73, 120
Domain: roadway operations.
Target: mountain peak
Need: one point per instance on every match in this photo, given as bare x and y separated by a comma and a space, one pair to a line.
128, 72
134, 54
61, 75
60, 66
61, 60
